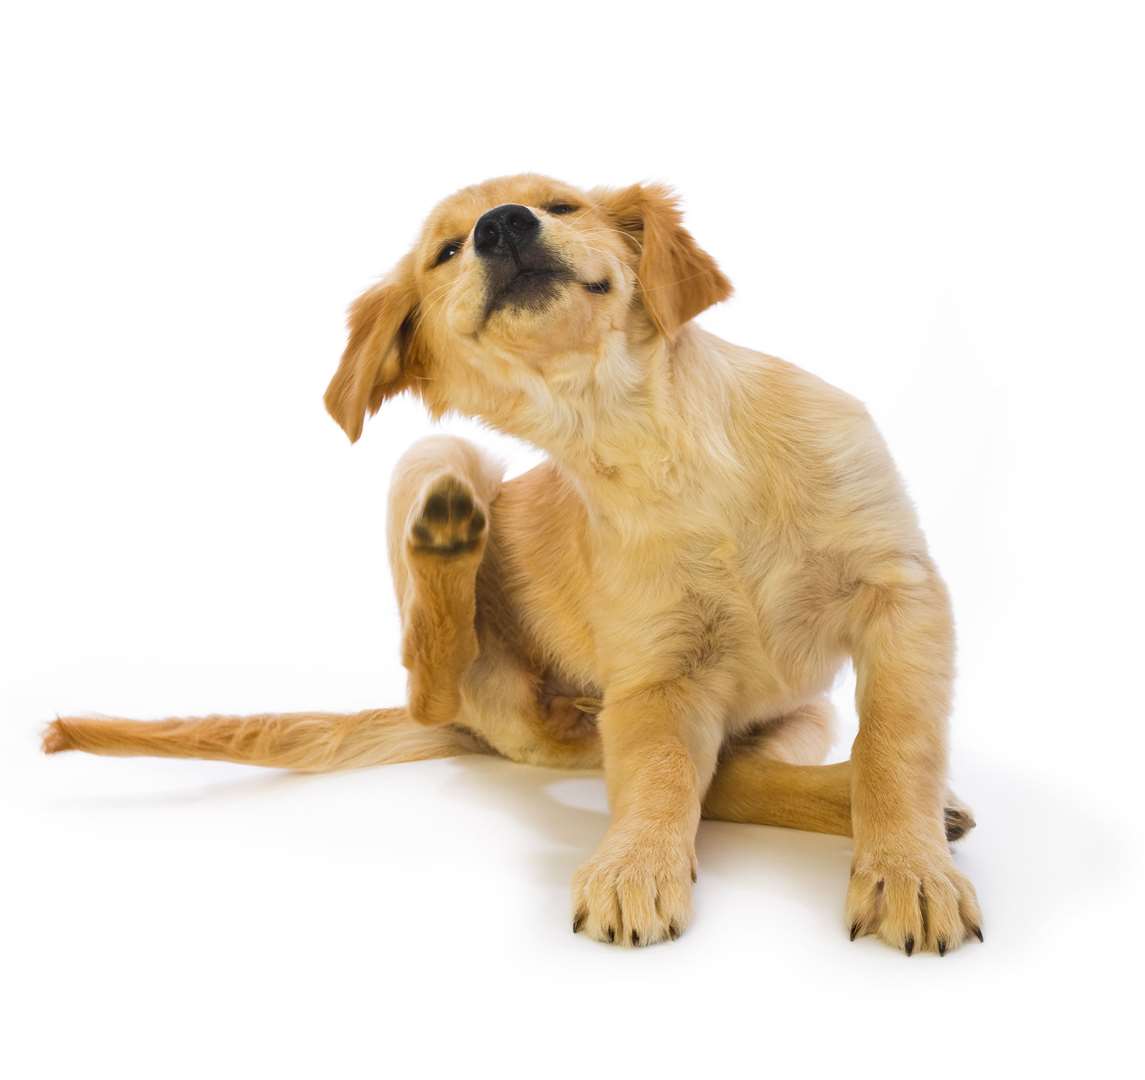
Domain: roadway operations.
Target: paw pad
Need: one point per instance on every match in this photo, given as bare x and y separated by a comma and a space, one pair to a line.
450, 520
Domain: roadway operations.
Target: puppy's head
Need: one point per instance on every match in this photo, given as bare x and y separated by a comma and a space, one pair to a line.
519, 280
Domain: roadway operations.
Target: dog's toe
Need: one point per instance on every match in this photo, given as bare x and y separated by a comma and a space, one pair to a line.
957, 818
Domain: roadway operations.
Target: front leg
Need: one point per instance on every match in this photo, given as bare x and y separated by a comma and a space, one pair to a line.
904, 885
660, 746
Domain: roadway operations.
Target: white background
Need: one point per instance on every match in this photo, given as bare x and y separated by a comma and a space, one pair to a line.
937, 207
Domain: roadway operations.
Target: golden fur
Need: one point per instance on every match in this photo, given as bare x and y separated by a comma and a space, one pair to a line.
670, 595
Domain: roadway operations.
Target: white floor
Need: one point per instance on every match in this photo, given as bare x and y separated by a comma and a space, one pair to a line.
189, 919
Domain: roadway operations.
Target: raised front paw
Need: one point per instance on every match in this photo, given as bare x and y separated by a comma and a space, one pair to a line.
448, 519
637, 888
912, 897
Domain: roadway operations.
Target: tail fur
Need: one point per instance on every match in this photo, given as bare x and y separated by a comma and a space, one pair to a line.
307, 742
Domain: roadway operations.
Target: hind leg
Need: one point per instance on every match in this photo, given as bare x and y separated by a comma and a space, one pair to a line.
437, 530
774, 778
463, 668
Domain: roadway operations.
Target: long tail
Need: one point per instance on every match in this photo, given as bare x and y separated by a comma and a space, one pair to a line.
308, 742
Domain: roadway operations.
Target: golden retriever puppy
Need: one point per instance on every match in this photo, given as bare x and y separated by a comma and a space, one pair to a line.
670, 595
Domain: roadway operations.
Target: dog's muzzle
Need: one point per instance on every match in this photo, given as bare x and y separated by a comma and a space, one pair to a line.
519, 269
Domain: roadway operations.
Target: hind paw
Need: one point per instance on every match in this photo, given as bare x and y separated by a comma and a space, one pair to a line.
449, 520
957, 818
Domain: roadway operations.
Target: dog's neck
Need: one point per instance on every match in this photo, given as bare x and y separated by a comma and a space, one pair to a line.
626, 426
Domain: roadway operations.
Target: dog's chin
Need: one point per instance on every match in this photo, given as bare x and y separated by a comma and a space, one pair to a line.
533, 291
539, 311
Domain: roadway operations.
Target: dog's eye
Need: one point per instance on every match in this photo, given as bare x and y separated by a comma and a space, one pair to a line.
447, 251
562, 208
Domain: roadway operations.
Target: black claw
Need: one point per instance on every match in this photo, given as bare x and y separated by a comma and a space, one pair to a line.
611, 934
854, 930
673, 932
693, 876
941, 947
978, 932
909, 946
578, 922
635, 938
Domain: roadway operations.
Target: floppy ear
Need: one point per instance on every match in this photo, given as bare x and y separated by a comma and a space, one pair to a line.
677, 278
377, 361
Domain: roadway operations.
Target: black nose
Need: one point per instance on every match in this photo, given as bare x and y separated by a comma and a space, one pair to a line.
505, 229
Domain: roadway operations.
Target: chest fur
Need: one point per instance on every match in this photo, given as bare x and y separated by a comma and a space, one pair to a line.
688, 603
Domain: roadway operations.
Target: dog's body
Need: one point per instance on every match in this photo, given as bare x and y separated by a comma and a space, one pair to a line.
715, 534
